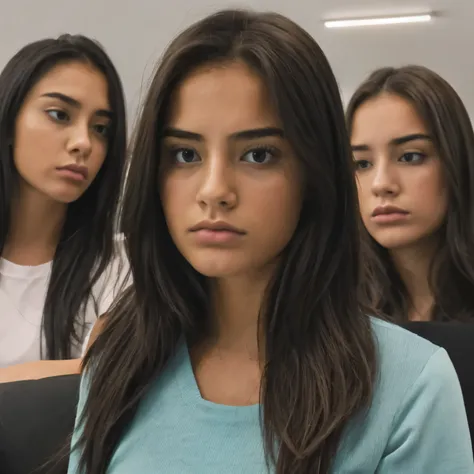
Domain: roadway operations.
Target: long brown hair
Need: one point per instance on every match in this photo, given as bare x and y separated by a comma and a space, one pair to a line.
449, 126
86, 245
320, 352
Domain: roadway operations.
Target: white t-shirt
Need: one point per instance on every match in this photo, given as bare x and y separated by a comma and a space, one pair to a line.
22, 296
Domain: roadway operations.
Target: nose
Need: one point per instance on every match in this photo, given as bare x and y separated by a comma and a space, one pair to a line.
385, 182
217, 190
80, 143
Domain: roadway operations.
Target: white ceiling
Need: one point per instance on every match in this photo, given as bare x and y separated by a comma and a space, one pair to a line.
135, 33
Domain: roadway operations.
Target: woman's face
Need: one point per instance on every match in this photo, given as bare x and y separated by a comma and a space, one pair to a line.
60, 140
231, 184
401, 186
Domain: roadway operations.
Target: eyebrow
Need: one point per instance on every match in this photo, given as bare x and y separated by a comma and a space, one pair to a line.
396, 141
251, 134
76, 104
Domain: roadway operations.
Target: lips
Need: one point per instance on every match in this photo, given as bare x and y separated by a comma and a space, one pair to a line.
216, 234
387, 210
77, 169
216, 226
389, 215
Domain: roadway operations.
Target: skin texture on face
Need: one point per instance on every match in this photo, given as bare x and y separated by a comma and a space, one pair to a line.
63, 121
397, 165
225, 159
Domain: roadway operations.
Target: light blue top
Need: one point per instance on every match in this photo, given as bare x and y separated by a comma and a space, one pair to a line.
416, 424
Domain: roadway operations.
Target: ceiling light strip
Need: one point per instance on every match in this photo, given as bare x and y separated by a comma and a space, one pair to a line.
396, 20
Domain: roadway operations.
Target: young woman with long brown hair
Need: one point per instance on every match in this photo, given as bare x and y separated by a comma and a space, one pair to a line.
241, 347
62, 158
413, 145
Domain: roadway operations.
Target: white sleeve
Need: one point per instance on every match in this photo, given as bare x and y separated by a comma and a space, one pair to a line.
115, 279
86, 342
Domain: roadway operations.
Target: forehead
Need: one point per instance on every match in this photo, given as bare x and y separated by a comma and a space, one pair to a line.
222, 98
78, 80
383, 118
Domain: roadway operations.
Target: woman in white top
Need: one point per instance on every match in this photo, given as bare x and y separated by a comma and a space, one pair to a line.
62, 157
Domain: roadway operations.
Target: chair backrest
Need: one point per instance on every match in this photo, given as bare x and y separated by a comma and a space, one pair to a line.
458, 341
36, 420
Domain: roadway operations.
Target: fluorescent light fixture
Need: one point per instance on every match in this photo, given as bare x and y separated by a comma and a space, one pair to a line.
394, 20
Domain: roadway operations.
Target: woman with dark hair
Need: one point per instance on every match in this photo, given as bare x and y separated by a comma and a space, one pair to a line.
62, 157
413, 146
241, 347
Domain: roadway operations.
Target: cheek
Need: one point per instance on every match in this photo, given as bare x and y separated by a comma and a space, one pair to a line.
433, 203
98, 157
363, 194
429, 192
34, 145
276, 210
173, 201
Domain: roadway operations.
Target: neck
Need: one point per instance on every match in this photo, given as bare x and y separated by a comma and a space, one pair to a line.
413, 265
236, 304
34, 229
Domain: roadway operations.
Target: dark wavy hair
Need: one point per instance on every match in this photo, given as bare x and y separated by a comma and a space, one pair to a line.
86, 243
320, 352
452, 269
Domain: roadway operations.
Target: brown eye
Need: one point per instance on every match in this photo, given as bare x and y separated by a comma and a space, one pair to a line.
361, 164
413, 157
102, 129
185, 155
261, 155
58, 115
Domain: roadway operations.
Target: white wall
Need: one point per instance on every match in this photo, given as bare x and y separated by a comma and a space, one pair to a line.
136, 32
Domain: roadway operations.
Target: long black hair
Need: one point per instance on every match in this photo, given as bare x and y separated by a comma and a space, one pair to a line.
452, 270
320, 355
86, 243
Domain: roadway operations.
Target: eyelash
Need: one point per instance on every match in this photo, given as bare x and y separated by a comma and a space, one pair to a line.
357, 163
51, 112
271, 150
418, 153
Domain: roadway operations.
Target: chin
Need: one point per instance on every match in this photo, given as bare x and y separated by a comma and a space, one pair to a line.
218, 270
66, 197
219, 266
396, 241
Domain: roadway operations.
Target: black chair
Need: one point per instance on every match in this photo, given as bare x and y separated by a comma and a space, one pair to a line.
458, 341
36, 420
